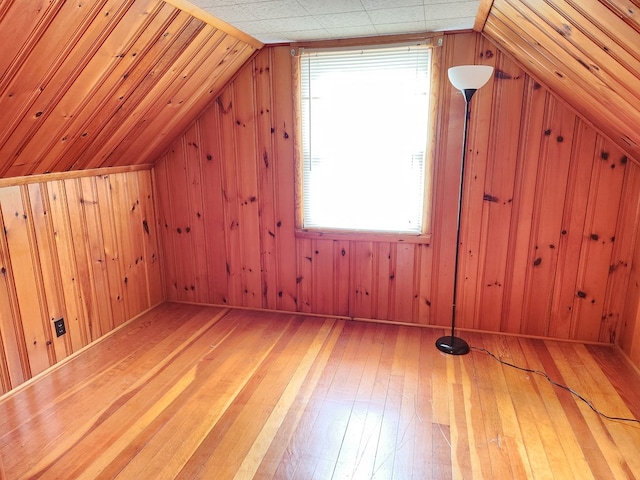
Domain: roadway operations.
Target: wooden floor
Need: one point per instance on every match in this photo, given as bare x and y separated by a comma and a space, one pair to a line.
200, 392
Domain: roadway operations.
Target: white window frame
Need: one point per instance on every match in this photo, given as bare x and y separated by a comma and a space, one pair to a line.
424, 236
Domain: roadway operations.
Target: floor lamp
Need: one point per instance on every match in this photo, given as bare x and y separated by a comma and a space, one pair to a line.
467, 79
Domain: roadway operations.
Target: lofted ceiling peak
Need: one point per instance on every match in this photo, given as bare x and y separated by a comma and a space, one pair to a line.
585, 51
107, 82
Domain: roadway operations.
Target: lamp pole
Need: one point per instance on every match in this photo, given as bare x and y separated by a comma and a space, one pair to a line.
467, 79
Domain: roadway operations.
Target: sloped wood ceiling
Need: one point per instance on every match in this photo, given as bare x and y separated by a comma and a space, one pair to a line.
102, 83
586, 51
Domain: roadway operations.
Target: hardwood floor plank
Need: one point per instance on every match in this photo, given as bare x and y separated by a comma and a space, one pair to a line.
296, 461
560, 423
508, 439
281, 446
276, 375
230, 368
189, 391
582, 381
357, 450
423, 366
594, 457
442, 448
260, 446
514, 441
408, 409
66, 419
140, 411
489, 414
534, 420
391, 387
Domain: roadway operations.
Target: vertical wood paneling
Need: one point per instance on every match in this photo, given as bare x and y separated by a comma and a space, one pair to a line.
150, 260
405, 289
537, 188
68, 195
84, 197
196, 227
304, 280
283, 166
629, 338
72, 248
323, 255
342, 274
48, 262
127, 272
497, 195
231, 202
15, 364
213, 212
460, 50
165, 227
247, 183
362, 289
523, 204
67, 253
384, 279
552, 175
621, 300
114, 270
479, 161
27, 277
599, 237
571, 233
266, 180
180, 227
425, 285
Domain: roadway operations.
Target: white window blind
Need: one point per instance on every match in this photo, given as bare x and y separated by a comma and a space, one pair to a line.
364, 128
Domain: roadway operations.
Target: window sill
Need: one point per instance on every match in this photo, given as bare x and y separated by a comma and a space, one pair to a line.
365, 236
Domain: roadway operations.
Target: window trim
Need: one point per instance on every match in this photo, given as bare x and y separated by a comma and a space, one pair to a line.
435, 40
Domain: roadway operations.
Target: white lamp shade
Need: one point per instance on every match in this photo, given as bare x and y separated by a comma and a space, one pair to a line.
470, 77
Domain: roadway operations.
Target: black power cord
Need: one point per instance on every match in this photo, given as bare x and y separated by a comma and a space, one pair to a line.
553, 382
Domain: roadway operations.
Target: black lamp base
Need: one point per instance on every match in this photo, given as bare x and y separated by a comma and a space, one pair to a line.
452, 345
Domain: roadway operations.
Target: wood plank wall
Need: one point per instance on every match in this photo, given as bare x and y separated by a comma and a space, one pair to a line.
106, 83
83, 248
548, 229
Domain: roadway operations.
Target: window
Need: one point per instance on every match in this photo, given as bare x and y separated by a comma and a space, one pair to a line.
365, 132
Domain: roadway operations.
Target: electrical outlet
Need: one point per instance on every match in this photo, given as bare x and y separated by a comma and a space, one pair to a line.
59, 326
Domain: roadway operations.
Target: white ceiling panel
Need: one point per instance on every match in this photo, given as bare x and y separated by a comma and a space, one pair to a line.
275, 21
